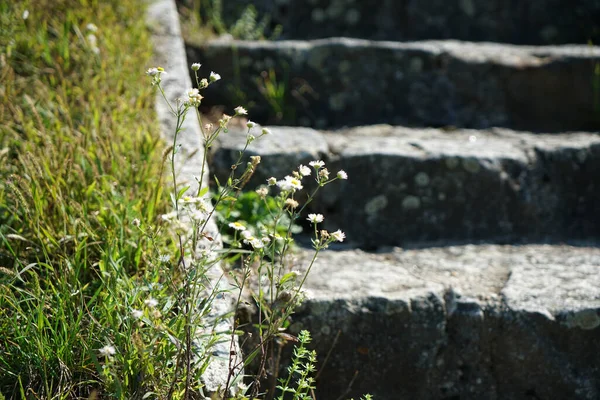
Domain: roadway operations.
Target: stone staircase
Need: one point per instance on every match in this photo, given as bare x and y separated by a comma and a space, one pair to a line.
472, 211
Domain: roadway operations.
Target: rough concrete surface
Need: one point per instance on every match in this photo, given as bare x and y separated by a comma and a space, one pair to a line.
424, 185
340, 82
519, 22
457, 322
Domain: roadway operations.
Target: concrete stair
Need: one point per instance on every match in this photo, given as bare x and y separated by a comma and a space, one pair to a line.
540, 22
471, 165
340, 82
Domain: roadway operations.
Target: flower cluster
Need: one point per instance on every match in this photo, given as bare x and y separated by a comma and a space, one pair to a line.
155, 73
194, 98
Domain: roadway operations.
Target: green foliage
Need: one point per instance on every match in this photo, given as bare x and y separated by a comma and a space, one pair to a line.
300, 381
79, 160
256, 213
103, 292
205, 19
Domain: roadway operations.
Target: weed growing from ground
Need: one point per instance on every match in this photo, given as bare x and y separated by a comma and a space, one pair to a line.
260, 247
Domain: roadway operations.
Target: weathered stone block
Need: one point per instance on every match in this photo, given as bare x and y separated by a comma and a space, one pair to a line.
530, 22
426, 185
346, 82
468, 322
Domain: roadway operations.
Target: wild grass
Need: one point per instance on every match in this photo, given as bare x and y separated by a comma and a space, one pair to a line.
104, 284
80, 160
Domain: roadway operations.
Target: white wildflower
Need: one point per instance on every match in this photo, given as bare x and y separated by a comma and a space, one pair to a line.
238, 226
194, 97
324, 174
315, 218
151, 302
196, 66
137, 314
239, 110
272, 181
108, 351
256, 243
290, 183
317, 164
262, 192
291, 203
338, 235
250, 124
214, 77
266, 131
342, 174
25, 14
304, 170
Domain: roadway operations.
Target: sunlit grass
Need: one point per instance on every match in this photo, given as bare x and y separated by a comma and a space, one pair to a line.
80, 158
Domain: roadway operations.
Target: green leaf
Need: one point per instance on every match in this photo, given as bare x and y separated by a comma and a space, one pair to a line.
182, 192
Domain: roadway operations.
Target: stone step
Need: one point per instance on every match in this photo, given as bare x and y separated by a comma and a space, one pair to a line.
458, 322
411, 185
349, 82
521, 22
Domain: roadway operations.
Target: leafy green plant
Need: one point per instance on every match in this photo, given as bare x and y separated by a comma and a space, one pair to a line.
206, 19
107, 285
255, 212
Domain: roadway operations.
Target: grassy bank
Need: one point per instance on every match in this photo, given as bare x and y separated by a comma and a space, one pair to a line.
80, 159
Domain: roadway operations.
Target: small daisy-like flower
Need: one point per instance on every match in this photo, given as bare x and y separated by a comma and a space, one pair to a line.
317, 164
272, 181
188, 200
196, 66
151, 302
137, 314
266, 131
152, 71
290, 183
250, 124
108, 351
164, 258
136, 222
304, 170
214, 76
291, 203
247, 235
324, 173
315, 218
262, 192
256, 243
25, 14
338, 236
194, 97
91, 27
239, 110
224, 121
237, 226
342, 174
